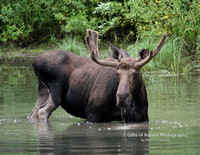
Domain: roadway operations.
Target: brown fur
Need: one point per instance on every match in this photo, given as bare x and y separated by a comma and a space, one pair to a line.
88, 89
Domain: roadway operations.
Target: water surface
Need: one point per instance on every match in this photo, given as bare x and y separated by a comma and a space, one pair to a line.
174, 103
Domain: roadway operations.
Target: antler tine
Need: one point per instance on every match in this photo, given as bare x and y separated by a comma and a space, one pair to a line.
87, 39
92, 43
152, 54
95, 36
160, 45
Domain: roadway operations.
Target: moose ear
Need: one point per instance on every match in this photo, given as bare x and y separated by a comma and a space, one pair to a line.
115, 53
142, 54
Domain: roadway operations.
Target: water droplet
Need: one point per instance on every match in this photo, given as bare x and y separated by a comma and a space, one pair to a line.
164, 121
123, 113
175, 122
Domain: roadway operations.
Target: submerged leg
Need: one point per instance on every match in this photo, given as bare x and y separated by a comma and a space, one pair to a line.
99, 114
114, 116
43, 95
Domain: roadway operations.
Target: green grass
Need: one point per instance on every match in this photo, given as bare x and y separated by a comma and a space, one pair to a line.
169, 59
73, 45
80, 48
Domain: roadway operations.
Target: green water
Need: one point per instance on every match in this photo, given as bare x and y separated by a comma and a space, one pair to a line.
174, 103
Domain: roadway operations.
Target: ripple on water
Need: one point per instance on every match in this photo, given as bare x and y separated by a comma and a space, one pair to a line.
10, 120
166, 124
125, 126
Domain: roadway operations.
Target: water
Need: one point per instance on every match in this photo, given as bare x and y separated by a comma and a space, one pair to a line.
174, 103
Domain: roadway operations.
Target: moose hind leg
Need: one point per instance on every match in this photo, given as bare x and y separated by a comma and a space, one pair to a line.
53, 102
43, 95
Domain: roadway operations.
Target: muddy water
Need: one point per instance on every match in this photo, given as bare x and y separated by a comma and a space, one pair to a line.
174, 103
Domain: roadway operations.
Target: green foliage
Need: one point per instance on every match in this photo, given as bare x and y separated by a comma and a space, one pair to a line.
31, 21
13, 26
114, 22
111, 13
152, 18
127, 21
180, 19
27, 20
76, 24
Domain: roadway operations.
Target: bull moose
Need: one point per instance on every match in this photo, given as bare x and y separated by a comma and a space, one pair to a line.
94, 89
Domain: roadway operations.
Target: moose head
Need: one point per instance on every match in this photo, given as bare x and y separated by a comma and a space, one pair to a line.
128, 69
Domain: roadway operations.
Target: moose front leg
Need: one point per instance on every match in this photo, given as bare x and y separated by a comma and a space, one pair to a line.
103, 115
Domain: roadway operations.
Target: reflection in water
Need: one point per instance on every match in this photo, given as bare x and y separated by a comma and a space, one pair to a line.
93, 138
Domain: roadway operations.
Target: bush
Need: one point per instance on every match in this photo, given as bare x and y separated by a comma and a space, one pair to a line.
29, 21
179, 19
113, 21
37, 20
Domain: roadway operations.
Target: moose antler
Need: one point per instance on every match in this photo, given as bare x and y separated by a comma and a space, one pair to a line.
160, 45
92, 44
152, 54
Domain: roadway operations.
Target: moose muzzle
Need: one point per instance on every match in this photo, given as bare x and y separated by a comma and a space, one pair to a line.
123, 100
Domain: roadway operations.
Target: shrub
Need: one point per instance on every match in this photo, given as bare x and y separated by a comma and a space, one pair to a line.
29, 21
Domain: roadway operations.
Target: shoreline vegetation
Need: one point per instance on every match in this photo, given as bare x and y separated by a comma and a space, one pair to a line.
130, 25
168, 61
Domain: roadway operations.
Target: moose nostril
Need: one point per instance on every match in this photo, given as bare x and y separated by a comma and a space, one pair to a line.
123, 100
122, 96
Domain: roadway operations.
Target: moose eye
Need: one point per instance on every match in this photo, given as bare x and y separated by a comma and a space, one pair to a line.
136, 74
118, 75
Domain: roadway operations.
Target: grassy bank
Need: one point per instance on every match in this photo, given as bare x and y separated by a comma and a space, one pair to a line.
171, 57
